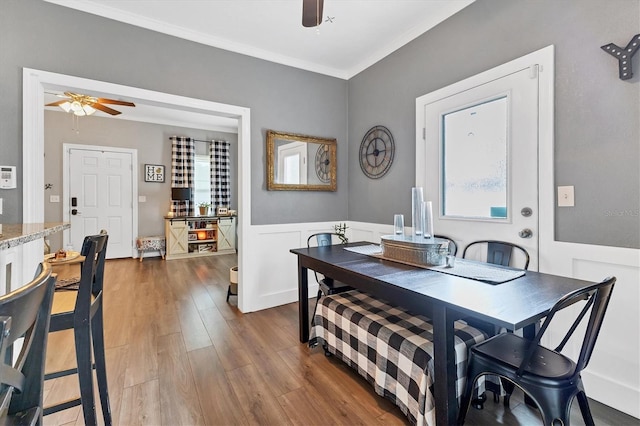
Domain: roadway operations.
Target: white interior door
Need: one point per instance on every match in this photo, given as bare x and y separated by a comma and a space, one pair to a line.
481, 160
100, 197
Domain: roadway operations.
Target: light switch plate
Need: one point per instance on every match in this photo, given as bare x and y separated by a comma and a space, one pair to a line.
565, 196
54, 198
142, 198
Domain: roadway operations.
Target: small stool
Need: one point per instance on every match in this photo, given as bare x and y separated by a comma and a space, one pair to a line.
232, 290
149, 244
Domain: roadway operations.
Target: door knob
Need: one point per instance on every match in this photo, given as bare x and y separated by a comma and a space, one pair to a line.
75, 212
525, 233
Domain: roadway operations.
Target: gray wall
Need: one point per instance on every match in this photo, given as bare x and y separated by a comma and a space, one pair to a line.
40, 35
153, 146
597, 116
597, 131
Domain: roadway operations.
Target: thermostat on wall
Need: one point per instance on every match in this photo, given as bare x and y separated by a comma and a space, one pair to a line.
7, 177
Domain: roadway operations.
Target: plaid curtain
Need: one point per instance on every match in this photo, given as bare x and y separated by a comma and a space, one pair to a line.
182, 161
220, 176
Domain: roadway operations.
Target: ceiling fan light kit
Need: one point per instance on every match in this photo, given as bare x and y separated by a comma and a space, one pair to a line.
80, 104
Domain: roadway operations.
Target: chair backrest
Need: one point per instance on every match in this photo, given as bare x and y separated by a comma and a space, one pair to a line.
322, 239
596, 299
499, 252
94, 248
453, 247
25, 313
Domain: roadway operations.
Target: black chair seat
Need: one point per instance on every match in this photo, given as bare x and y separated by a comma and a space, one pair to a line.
507, 350
330, 286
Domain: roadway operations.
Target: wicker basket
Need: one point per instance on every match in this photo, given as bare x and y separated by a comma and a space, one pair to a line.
415, 250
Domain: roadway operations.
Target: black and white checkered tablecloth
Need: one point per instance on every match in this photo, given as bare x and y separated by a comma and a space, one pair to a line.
390, 347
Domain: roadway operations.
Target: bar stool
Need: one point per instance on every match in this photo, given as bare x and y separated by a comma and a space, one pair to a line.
87, 324
24, 313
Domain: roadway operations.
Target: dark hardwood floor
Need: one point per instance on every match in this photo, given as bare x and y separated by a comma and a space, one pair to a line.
179, 354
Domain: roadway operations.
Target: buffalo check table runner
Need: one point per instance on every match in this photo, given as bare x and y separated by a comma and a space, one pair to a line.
390, 347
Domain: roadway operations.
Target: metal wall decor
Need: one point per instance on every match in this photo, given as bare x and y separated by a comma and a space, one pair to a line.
624, 56
376, 152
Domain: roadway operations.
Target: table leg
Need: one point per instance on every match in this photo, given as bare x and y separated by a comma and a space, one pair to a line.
303, 302
445, 367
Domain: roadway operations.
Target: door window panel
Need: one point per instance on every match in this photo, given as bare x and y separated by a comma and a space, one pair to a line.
474, 161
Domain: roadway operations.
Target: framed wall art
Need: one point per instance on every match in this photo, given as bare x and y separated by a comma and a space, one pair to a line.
153, 173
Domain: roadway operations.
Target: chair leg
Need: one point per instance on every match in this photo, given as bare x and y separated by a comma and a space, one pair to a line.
584, 409
82, 334
315, 308
466, 399
508, 389
101, 364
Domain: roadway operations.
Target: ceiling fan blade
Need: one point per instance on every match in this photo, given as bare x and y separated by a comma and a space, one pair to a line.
105, 109
312, 12
115, 102
57, 103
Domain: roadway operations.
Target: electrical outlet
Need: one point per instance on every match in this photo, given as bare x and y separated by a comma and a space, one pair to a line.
565, 196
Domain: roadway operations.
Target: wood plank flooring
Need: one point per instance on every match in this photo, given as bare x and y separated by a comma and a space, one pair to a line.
179, 354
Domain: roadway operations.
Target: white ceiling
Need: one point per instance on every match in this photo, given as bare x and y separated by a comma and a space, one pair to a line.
361, 32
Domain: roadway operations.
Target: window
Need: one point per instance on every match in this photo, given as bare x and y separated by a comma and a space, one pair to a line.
202, 179
474, 161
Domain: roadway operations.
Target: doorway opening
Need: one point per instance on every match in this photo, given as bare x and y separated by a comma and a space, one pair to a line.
36, 82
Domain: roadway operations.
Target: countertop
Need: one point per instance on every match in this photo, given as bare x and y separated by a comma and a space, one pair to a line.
15, 234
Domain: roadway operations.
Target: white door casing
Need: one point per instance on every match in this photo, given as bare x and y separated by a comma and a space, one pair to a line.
517, 83
100, 181
34, 84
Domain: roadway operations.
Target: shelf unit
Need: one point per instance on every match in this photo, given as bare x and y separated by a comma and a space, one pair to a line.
192, 236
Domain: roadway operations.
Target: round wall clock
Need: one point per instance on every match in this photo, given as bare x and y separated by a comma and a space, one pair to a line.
322, 163
376, 152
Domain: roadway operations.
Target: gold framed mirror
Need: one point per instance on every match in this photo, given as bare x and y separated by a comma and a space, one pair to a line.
300, 163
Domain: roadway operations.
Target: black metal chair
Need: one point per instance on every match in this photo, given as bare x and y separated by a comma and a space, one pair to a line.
326, 285
87, 323
499, 252
24, 313
453, 247
551, 379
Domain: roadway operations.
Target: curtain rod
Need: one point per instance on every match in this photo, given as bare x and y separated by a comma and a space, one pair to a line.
195, 140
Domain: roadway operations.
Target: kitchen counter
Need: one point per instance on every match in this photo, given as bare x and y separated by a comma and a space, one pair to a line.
13, 235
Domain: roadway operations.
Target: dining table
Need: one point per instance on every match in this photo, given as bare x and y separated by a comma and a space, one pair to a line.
515, 304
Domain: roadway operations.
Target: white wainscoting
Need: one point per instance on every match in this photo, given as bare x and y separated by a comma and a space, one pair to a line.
271, 276
613, 374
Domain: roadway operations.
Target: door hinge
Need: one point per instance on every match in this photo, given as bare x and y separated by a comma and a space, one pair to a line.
424, 133
533, 71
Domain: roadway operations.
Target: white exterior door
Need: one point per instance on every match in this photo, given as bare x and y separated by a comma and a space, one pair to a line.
100, 197
480, 156
292, 163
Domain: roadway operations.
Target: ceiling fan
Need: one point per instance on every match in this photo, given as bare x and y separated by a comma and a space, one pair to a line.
81, 104
312, 12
